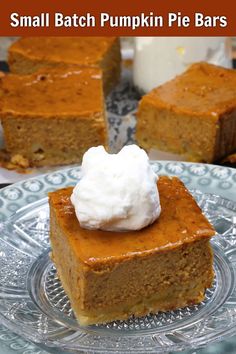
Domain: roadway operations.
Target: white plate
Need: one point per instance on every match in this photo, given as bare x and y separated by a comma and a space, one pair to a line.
34, 305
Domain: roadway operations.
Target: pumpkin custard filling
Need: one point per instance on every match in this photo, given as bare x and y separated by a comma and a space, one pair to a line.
142, 249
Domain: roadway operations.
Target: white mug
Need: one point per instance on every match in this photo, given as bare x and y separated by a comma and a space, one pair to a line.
159, 59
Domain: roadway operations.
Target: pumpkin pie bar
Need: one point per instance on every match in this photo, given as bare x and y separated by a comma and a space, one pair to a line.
110, 275
52, 117
29, 54
193, 115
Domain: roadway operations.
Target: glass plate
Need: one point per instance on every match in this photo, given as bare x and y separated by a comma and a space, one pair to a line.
34, 304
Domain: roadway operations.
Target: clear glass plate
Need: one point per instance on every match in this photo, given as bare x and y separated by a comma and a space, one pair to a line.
34, 304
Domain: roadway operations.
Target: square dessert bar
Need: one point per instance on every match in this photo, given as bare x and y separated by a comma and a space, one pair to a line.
52, 117
113, 275
193, 115
31, 53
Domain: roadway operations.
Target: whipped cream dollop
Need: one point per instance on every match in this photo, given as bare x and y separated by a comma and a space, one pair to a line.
117, 192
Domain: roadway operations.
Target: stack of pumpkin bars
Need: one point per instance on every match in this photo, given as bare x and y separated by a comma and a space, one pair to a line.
52, 104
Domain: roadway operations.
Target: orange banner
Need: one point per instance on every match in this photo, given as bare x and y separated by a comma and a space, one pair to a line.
126, 18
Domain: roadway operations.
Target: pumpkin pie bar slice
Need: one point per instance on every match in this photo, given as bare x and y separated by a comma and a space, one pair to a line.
193, 115
52, 117
28, 54
113, 275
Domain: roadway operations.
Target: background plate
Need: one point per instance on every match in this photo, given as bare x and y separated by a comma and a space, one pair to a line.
29, 285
